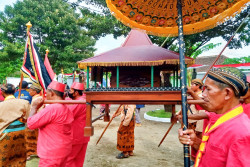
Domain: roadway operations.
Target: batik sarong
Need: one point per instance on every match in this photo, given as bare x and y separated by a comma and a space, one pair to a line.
12, 149
31, 137
125, 136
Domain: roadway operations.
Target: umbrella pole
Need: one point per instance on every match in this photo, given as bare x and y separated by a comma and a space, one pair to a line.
183, 81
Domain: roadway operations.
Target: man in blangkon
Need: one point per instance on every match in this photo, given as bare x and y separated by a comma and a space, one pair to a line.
226, 139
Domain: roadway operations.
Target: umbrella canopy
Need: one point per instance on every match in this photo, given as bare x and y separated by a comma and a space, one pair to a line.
137, 50
159, 17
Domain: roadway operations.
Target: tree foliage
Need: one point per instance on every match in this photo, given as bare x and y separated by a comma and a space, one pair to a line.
237, 60
55, 26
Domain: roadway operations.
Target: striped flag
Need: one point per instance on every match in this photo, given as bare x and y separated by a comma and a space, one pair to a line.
33, 65
48, 67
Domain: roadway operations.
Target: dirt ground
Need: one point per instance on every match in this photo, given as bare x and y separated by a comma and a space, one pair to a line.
146, 152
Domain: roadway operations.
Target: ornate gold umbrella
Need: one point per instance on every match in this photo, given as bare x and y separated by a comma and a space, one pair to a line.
159, 17
169, 18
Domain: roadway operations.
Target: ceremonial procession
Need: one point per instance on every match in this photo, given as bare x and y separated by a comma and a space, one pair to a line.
115, 83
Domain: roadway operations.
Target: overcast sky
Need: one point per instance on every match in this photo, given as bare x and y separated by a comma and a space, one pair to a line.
107, 43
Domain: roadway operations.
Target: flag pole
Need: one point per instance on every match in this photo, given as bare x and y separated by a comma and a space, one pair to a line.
28, 25
46, 55
20, 86
183, 81
74, 75
62, 74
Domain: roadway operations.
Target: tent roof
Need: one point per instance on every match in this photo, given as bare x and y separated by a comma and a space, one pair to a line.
137, 50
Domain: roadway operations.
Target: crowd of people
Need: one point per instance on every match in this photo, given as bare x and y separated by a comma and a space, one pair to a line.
218, 131
54, 133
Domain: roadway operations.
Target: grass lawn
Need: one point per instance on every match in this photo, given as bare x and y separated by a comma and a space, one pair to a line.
159, 114
33, 162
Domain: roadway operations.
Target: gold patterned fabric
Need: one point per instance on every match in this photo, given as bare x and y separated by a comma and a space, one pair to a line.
31, 137
12, 149
159, 17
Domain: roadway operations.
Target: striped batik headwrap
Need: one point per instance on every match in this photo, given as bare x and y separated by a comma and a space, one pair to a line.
232, 77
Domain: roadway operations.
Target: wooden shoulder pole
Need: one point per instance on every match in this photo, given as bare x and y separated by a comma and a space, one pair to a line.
108, 125
167, 133
224, 47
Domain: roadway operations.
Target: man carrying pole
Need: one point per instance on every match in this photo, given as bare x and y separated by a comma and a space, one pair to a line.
32, 135
80, 142
55, 127
226, 139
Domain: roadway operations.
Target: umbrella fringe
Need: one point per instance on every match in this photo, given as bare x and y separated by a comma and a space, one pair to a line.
188, 28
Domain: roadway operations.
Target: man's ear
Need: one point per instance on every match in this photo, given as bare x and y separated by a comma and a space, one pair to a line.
52, 93
229, 93
4, 94
76, 92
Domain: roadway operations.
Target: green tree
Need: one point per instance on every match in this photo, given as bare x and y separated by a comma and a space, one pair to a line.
237, 60
101, 24
55, 26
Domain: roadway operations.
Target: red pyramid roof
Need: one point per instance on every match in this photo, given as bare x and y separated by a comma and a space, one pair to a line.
137, 50
137, 37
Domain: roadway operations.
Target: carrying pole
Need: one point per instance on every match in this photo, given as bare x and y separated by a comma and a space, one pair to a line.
108, 125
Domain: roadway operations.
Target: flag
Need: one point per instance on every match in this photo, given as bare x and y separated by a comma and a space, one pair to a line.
48, 67
33, 65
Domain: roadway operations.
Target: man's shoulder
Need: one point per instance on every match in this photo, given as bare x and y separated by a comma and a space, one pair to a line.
15, 103
83, 97
25, 92
56, 107
16, 93
240, 126
246, 108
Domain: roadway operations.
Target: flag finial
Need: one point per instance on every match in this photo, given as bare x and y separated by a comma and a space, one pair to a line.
47, 51
28, 25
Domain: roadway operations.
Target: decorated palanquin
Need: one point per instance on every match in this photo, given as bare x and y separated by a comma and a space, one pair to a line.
198, 15
137, 69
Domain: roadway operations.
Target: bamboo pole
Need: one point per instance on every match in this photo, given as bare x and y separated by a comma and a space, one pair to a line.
97, 118
20, 85
64, 101
108, 125
167, 133
191, 101
225, 47
171, 126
